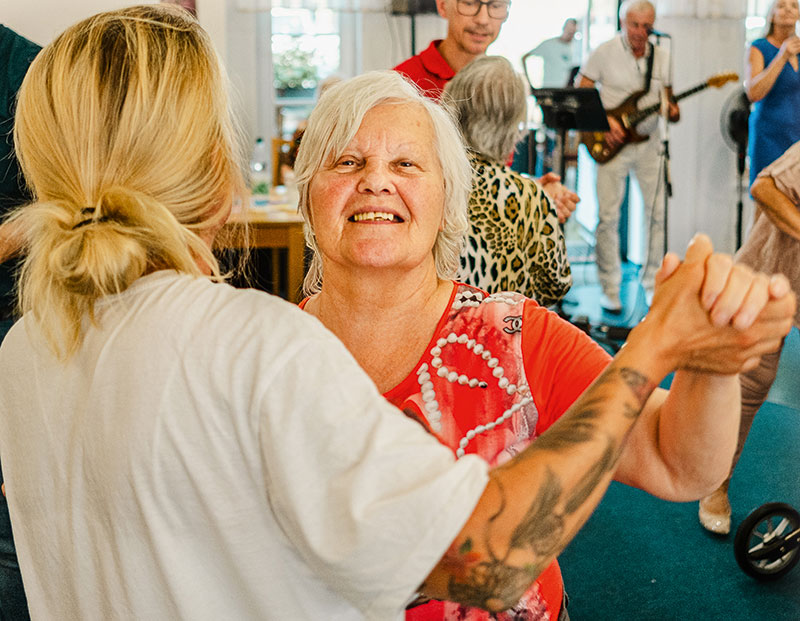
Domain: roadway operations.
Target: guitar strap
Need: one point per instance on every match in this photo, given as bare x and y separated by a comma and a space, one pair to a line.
649, 75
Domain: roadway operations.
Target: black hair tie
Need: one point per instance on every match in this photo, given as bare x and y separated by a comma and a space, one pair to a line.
89, 211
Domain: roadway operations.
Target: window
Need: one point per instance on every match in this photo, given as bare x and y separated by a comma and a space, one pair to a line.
301, 48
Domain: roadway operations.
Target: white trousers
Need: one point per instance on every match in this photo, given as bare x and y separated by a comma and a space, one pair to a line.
643, 160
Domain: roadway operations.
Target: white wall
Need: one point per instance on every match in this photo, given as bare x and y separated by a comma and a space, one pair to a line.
26, 17
387, 38
41, 20
237, 45
232, 32
703, 167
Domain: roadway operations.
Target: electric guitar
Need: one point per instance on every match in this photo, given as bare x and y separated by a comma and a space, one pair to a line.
629, 116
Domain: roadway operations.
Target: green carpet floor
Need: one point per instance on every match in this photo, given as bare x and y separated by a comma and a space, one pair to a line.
642, 558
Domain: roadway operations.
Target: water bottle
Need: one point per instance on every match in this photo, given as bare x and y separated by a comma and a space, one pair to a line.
260, 177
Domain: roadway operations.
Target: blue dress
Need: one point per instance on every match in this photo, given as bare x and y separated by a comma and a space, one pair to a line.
774, 120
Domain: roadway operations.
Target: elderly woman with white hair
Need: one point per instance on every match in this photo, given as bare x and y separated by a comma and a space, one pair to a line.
384, 180
514, 240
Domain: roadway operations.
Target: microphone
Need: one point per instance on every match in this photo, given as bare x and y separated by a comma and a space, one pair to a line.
658, 33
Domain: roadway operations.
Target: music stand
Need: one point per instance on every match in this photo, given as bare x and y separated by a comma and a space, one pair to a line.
571, 108
581, 109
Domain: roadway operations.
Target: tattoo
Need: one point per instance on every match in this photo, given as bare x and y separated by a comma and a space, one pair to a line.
581, 429
459, 562
640, 386
630, 411
542, 527
495, 583
592, 478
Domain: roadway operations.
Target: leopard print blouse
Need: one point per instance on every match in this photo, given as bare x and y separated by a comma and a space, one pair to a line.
514, 242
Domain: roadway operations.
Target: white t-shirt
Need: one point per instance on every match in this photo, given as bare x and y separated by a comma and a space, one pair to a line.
617, 73
558, 59
213, 453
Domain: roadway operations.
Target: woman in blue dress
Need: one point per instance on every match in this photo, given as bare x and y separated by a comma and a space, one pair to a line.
773, 84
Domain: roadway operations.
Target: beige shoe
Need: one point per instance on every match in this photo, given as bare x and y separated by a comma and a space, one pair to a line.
715, 512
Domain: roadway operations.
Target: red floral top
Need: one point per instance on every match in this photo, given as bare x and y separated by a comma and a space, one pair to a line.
497, 373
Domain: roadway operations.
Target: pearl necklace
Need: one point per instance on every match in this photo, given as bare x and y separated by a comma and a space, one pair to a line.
430, 403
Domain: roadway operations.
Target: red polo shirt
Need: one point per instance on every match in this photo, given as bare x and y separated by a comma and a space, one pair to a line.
428, 70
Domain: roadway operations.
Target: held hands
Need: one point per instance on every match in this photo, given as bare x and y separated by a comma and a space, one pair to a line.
712, 315
564, 200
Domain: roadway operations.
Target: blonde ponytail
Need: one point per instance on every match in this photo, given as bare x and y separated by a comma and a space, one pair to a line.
124, 133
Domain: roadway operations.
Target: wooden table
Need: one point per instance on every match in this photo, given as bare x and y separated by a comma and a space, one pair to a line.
270, 229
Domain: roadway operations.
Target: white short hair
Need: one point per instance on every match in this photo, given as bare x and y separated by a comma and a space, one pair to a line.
333, 124
636, 6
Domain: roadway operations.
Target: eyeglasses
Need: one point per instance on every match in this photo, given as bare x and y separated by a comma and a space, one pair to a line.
497, 9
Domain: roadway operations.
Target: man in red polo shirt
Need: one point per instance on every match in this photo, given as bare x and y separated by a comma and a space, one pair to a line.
471, 26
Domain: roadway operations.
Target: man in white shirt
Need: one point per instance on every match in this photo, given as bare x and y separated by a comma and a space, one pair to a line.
622, 66
559, 55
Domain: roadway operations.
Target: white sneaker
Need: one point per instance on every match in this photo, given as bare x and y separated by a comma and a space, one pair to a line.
610, 302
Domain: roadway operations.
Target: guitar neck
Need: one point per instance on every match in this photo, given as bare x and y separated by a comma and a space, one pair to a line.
641, 115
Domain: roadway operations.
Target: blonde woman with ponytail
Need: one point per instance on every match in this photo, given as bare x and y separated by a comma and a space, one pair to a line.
130, 177
174, 448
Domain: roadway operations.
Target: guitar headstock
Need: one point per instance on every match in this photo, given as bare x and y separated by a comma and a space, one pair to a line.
721, 79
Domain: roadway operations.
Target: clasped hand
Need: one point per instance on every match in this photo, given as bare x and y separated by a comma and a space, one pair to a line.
790, 47
713, 315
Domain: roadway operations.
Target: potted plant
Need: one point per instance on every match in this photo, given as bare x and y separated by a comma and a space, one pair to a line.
295, 73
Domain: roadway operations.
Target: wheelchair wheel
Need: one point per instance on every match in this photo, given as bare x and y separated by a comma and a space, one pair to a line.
761, 547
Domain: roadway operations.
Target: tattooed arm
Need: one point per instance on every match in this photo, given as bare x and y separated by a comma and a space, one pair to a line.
536, 503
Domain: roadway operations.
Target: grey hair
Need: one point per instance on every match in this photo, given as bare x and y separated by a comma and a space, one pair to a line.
488, 99
635, 6
333, 124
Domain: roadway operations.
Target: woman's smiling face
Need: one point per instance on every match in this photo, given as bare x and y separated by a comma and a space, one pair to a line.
380, 204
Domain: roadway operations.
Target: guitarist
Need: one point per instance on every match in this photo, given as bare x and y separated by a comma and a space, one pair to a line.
627, 64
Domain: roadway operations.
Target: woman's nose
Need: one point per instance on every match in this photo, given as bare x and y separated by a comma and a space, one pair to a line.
376, 178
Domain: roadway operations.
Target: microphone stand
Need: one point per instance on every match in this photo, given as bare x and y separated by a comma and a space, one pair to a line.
741, 153
665, 143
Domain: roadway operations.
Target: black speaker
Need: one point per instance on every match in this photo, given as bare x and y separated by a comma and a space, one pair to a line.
413, 7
